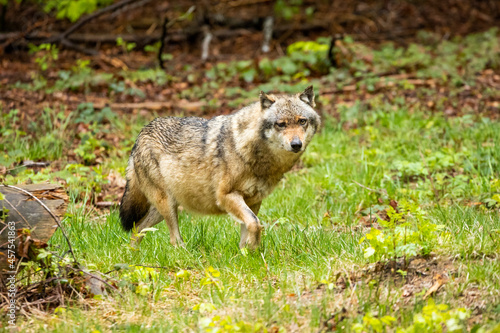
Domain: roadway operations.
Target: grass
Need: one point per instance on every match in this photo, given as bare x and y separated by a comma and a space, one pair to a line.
311, 273
311, 238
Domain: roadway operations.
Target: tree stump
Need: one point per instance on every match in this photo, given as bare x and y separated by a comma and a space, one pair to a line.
19, 211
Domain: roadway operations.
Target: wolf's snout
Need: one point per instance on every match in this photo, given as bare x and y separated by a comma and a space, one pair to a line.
296, 144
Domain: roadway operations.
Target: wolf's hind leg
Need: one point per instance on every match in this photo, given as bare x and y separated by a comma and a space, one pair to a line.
152, 218
167, 206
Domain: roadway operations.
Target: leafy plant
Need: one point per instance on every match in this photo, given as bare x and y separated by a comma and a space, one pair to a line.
311, 54
73, 9
226, 324
407, 233
127, 47
494, 200
432, 319
370, 321
81, 76
45, 55
85, 113
140, 280
436, 316
287, 8
211, 278
88, 148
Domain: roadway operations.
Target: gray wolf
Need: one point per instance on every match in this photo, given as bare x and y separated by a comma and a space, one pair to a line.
227, 164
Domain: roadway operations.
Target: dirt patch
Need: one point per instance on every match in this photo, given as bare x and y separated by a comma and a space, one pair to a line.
404, 283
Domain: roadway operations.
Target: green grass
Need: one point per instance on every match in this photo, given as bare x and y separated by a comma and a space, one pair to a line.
310, 272
277, 286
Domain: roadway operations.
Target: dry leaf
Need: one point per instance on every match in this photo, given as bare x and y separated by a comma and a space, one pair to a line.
439, 280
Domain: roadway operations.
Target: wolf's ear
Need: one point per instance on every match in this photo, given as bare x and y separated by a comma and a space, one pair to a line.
307, 96
265, 100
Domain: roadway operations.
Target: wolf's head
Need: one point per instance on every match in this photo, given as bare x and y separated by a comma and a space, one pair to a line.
289, 120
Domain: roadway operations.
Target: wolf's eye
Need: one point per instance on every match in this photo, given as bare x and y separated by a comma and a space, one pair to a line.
281, 124
302, 121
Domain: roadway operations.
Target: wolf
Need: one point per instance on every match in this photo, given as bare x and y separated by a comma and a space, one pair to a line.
225, 165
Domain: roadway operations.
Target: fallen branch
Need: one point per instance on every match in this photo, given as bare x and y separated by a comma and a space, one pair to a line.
153, 105
19, 35
178, 35
86, 19
62, 37
382, 85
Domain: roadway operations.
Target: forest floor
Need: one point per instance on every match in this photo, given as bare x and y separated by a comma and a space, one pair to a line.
390, 220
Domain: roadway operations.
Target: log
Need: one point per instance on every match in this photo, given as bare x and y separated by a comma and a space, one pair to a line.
24, 212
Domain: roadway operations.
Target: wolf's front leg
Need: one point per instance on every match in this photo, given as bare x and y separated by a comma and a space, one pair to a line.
244, 232
234, 204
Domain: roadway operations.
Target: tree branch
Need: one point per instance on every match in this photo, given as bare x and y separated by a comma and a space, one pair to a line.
86, 19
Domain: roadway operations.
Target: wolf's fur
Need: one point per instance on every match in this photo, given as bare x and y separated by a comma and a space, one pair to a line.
227, 164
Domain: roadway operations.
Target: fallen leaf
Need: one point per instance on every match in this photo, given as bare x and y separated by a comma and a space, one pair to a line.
439, 280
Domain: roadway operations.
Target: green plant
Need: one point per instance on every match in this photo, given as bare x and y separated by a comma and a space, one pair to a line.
89, 147
226, 324
86, 113
45, 55
407, 233
287, 8
432, 319
73, 9
127, 47
80, 77
436, 316
21, 145
494, 199
370, 321
311, 55
141, 280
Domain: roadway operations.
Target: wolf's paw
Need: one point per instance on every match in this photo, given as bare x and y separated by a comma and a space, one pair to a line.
254, 235
177, 243
135, 243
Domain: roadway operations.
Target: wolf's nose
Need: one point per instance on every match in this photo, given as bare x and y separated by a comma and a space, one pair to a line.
296, 144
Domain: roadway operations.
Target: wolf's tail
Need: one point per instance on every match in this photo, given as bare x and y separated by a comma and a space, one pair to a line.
134, 205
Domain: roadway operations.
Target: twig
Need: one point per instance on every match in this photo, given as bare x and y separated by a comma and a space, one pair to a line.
95, 277
268, 33
86, 19
162, 41
62, 37
13, 207
206, 43
159, 267
164, 28
383, 191
53, 216
331, 56
127, 8
78, 48
20, 35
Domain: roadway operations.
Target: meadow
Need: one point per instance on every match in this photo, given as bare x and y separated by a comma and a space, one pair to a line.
389, 223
